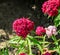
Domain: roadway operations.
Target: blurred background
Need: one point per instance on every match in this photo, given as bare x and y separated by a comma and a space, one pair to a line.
13, 9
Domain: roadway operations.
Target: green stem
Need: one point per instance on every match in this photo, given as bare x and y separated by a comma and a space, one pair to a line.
55, 40
53, 37
44, 40
56, 43
29, 45
40, 48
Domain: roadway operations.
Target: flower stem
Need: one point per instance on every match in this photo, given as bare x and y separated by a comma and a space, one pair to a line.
44, 40
29, 46
56, 43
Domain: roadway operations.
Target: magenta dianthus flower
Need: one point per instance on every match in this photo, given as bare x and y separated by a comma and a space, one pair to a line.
40, 31
50, 7
23, 26
22, 54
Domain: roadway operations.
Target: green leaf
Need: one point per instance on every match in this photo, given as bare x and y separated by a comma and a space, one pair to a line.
54, 38
22, 46
49, 17
6, 52
57, 49
1, 52
59, 10
59, 31
15, 40
41, 37
35, 42
43, 42
57, 20
29, 46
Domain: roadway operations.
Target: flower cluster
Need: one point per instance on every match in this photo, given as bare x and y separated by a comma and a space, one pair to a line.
47, 53
22, 54
51, 30
40, 31
50, 7
23, 26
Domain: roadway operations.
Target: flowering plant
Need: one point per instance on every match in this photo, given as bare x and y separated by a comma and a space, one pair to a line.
23, 41
52, 9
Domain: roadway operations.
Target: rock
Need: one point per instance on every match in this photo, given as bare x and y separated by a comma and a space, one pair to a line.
2, 32
2, 45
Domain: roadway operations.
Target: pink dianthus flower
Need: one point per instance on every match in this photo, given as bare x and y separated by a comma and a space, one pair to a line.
50, 7
22, 54
51, 30
40, 31
23, 26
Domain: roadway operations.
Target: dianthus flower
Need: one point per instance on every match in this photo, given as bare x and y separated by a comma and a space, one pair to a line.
56, 1
44, 8
53, 12
23, 26
51, 30
50, 7
47, 53
22, 54
40, 31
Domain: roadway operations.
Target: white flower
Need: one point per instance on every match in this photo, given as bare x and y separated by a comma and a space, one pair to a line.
51, 30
